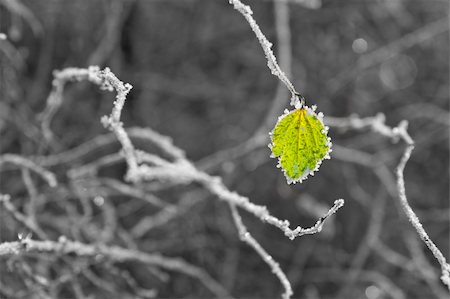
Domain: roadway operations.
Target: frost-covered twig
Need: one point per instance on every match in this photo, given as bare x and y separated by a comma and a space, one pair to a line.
107, 80
423, 265
55, 98
215, 185
113, 122
180, 170
375, 123
378, 125
114, 253
247, 12
284, 53
183, 171
412, 217
246, 237
48, 176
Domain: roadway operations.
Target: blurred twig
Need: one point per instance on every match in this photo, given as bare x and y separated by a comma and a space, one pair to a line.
384, 283
246, 237
375, 228
26, 221
387, 51
23, 162
166, 214
116, 17
16, 7
117, 254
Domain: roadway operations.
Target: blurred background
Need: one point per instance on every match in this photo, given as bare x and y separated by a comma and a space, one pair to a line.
199, 76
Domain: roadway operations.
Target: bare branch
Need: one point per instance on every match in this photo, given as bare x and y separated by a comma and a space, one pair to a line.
215, 185
412, 217
48, 176
247, 12
375, 123
28, 222
55, 98
246, 237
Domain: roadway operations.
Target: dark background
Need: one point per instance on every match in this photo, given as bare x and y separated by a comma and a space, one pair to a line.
199, 75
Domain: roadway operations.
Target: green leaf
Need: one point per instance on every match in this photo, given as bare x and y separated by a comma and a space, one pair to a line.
300, 142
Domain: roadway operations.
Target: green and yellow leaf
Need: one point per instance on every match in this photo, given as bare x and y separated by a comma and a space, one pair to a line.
300, 142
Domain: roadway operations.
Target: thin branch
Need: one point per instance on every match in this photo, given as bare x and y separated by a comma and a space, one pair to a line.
375, 123
55, 98
284, 53
116, 17
215, 185
17, 7
146, 134
246, 237
386, 52
135, 192
337, 276
412, 217
181, 170
361, 255
32, 193
48, 176
410, 266
309, 4
28, 222
111, 83
400, 132
93, 167
247, 12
